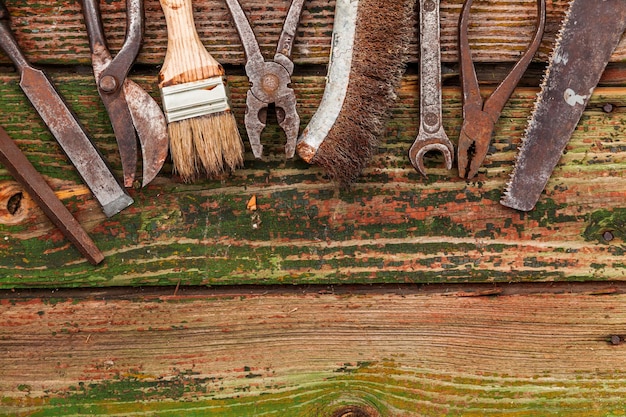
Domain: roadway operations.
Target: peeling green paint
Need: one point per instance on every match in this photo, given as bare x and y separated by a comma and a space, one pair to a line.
385, 387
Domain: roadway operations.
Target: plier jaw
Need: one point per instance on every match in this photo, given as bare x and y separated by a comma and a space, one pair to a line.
133, 113
270, 85
480, 116
474, 140
269, 80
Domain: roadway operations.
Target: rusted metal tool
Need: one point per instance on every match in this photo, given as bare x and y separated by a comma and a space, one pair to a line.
589, 34
64, 126
480, 116
25, 173
269, 80
132, 111
431, 135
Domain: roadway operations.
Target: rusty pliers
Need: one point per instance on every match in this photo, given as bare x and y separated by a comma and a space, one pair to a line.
132, 111
269, 80
480, 116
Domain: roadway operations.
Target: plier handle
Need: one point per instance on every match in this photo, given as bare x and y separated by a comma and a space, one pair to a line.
269, 80
480, 116
132, 111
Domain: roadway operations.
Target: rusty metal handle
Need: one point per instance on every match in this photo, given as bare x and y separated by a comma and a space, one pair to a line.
290, 26
125, 58
93, 23
250, 44
469, 80
500, 96
24, 172
8, 42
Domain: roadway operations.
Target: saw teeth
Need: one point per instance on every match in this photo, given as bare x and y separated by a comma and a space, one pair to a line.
539, 98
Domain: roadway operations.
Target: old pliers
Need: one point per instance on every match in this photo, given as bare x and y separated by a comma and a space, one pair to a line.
480, 116
132, 111
269, 80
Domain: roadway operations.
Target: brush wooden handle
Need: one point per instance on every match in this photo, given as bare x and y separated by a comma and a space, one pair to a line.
186, 59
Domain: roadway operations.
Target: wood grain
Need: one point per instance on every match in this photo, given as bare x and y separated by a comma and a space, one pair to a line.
487, 331
310, 354
393, 226
53, 31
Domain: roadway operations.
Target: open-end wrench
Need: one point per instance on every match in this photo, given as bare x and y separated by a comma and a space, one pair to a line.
431, 136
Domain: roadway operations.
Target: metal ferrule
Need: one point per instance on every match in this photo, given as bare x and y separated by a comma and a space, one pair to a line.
194, 99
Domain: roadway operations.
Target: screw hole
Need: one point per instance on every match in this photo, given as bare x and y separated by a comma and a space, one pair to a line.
14, 203
608, 236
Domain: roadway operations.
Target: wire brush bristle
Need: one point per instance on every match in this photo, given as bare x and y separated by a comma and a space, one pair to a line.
383, 34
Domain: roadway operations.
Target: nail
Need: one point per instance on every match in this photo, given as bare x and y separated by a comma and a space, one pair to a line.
608, 236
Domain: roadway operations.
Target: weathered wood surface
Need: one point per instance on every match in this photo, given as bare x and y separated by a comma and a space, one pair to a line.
393, 226
392, 352
53, 31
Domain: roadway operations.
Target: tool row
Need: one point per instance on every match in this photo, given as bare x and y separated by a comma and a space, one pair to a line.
196, 126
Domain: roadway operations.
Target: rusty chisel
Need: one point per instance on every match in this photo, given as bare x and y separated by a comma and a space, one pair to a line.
64, 126
589, 34
24, 172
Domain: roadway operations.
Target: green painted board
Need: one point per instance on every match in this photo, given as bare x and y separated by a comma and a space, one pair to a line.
391, 226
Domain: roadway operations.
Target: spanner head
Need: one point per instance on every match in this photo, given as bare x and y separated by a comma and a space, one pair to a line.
422, 147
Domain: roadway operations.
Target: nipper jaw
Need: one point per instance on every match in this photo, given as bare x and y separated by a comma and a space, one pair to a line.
474, 139
481, 115
270, 84
270, 81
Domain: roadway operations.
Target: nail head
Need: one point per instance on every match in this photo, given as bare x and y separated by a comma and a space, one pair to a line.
608, 236
108, 83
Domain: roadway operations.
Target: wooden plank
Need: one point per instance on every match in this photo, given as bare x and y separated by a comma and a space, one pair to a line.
392, 226
391, 353
53, 31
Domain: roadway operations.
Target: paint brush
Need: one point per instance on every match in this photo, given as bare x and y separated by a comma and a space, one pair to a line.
204, 138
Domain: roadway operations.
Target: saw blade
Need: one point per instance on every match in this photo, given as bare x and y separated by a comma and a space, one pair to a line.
590, 32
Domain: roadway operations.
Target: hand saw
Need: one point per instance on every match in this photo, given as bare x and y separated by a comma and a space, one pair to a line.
589, 34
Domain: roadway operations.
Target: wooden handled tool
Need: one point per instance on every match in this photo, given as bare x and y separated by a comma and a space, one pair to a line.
203, 131
24, 172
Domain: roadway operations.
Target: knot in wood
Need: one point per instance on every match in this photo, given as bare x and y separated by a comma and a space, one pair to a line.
15, 205
355, 411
